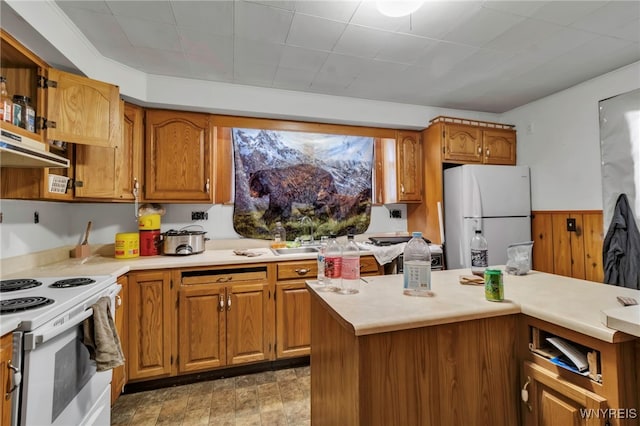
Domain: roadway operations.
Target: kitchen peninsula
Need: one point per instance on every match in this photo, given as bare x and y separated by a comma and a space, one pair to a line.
380, 357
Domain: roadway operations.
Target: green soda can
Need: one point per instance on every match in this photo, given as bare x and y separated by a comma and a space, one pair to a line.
493, 286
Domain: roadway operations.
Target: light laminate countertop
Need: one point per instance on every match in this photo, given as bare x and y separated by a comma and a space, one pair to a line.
381, 306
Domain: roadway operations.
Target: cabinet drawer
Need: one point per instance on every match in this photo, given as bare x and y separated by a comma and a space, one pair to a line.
307, 269
368, 265
224, 276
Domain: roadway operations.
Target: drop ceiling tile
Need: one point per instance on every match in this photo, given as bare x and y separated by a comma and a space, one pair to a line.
156, 11
258, 22
404, 48
330, 82
610, 17
340, 11
212, 17
158, 61
94, 25
483, 26
254, 73
630, 31
150, 34
522, 35
441, 58
314, 33
257, 51
380, 72
342, 65
521, 8
560, 42
361, 41
566, 12
207, 50
94, 6
279, 4
302, 59
292, 79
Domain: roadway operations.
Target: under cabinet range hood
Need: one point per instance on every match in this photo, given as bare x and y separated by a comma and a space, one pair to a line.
20, 151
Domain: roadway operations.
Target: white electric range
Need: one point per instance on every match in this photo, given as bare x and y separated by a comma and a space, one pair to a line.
60, 384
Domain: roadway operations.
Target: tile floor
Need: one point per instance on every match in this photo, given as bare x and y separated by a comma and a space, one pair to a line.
268, 398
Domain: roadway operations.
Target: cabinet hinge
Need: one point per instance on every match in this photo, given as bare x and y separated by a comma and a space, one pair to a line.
42, 123
275, 296
45, 83
171, 360
78, 183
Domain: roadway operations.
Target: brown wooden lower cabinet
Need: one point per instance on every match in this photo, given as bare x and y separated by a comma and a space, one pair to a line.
446, 375
6, 378
119, 374
574, 252
609, 395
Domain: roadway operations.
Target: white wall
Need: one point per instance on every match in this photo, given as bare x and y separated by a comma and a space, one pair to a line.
64, 223
558, 137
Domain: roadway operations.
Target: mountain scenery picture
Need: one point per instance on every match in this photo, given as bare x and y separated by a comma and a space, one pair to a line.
300, 179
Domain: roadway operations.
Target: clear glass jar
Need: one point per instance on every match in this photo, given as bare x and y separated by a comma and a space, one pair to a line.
23, 113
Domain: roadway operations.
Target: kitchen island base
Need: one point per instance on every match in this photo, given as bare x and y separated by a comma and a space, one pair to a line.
450, 374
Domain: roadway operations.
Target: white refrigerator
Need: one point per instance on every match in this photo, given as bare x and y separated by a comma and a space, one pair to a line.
494, 199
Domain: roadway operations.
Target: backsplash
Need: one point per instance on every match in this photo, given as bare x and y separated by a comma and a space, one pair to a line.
62, 224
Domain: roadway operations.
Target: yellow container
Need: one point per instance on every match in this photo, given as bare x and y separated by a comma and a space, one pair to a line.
127, 245
149, 222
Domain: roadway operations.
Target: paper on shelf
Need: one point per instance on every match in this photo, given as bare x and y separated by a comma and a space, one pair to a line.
578, 358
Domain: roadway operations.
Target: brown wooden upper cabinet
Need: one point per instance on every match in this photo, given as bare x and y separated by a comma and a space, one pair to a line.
468, 141
398, 164
69, 109
178, 157
113, 173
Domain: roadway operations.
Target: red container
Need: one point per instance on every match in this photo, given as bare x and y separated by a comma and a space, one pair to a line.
149, 242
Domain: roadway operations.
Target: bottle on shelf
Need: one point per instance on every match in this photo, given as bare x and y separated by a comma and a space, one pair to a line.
417, 267
479, 254
332, 265
350, 267
6, 104
321, 252
279, 236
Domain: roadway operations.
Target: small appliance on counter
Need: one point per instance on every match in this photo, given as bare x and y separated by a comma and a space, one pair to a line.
184, 241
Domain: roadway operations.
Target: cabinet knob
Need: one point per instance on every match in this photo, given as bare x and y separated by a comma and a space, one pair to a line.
228, 302
302, 271
402, 188
488, 152
479, 150
221, 303
207, 186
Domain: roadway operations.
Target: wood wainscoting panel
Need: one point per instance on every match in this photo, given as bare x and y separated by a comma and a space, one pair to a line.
576, 254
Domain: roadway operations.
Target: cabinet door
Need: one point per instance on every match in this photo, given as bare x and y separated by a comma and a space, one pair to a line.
557, 402
499, 146
150, 324
201, 327
178, 156
85, 111
248, 323
119, 374
293, 320
6, 379
409, 171
461, 143
112, 173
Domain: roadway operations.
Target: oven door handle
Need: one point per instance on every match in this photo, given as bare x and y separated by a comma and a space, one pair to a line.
31, 340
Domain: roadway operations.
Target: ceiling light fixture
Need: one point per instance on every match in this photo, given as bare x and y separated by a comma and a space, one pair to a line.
397, 8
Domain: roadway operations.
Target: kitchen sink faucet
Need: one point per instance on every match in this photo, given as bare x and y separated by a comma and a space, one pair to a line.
307, 226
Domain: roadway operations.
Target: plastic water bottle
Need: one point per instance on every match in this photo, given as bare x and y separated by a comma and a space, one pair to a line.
479, 254
279, 236
417, 267
350, 267
321, 252
332, 264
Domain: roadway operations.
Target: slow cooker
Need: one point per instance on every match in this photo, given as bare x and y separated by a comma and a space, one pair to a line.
183, 241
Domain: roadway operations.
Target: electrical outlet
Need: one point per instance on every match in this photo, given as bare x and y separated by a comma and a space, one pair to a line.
571, 225
36, 217
395, 214
199, 216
